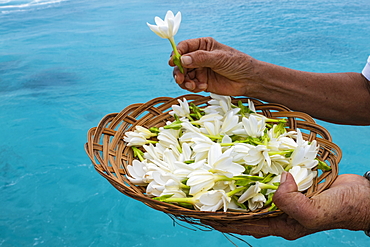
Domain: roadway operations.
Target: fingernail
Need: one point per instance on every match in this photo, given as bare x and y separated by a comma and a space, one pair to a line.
186, 60
283, 177
189, 85
202, 86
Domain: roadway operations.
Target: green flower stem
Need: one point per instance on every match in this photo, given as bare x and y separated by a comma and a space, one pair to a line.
183, 186
154, 130
271, 120
268, 186
233, 192
273, 207
269, 200
226, 144
138, 153
190, 200
248, 177
196, 110
176, 56
281, 152
323, 166
214, 137
268, 178
288, 167
176, 125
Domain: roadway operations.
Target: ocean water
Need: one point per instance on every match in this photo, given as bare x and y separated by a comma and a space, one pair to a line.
64, 64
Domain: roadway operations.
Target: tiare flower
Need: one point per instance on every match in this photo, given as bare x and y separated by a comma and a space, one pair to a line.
167, 29
213, 201
305, 153
303, 177
138, 173
201, 180
222, 163
218, 104
253, 126
181, 110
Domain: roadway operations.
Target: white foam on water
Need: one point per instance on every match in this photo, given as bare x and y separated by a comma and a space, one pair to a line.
16, 6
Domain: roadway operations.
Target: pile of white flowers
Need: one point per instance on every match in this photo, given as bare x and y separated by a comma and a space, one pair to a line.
222, 157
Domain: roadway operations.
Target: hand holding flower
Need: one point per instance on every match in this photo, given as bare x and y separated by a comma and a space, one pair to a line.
167, 29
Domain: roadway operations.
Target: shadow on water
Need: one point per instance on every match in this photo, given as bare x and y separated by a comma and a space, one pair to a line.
50, 78
36, 82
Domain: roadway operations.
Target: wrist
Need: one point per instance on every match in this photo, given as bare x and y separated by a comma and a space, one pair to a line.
260, 81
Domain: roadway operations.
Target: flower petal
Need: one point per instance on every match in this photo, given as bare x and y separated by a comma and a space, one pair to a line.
177, 22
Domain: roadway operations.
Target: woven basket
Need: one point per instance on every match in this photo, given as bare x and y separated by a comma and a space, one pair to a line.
111, 155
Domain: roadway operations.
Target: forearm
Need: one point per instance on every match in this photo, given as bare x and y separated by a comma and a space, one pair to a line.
335, 97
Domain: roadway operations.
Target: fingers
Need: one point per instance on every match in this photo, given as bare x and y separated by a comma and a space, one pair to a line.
294, 203
190, 45
191, 80
281, 226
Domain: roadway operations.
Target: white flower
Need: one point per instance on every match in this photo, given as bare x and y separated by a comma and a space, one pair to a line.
211, 127
209, 117
219, 103
278, 163
134, 139
305, 153
256, 201
176, 193
187, 126
181, 110
154, 152
230, 122
213, 201
258, 157
186, 153
201, 146
254, 126
279, 142
221, 163
173, 187
251, 105
200, 180
183, 170
240, 151
144, 131
189, 137
137, 173
286, 143
168, 27
169, 137
156, 186
252, 191
303, 177
162, 182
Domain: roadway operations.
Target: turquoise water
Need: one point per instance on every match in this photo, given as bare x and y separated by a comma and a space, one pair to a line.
66, 64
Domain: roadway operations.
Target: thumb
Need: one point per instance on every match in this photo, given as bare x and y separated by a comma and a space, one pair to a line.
290, 201
199, 59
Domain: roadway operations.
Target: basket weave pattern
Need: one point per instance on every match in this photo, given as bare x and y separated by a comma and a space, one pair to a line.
110, 155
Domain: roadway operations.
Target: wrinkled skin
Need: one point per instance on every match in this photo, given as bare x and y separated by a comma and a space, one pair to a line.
214, 67
225, 74
344, 205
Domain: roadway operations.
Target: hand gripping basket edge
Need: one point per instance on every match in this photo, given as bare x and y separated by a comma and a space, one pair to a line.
110, 155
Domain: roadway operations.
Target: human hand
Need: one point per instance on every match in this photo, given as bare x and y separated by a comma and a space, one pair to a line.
345, 205
213, 67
